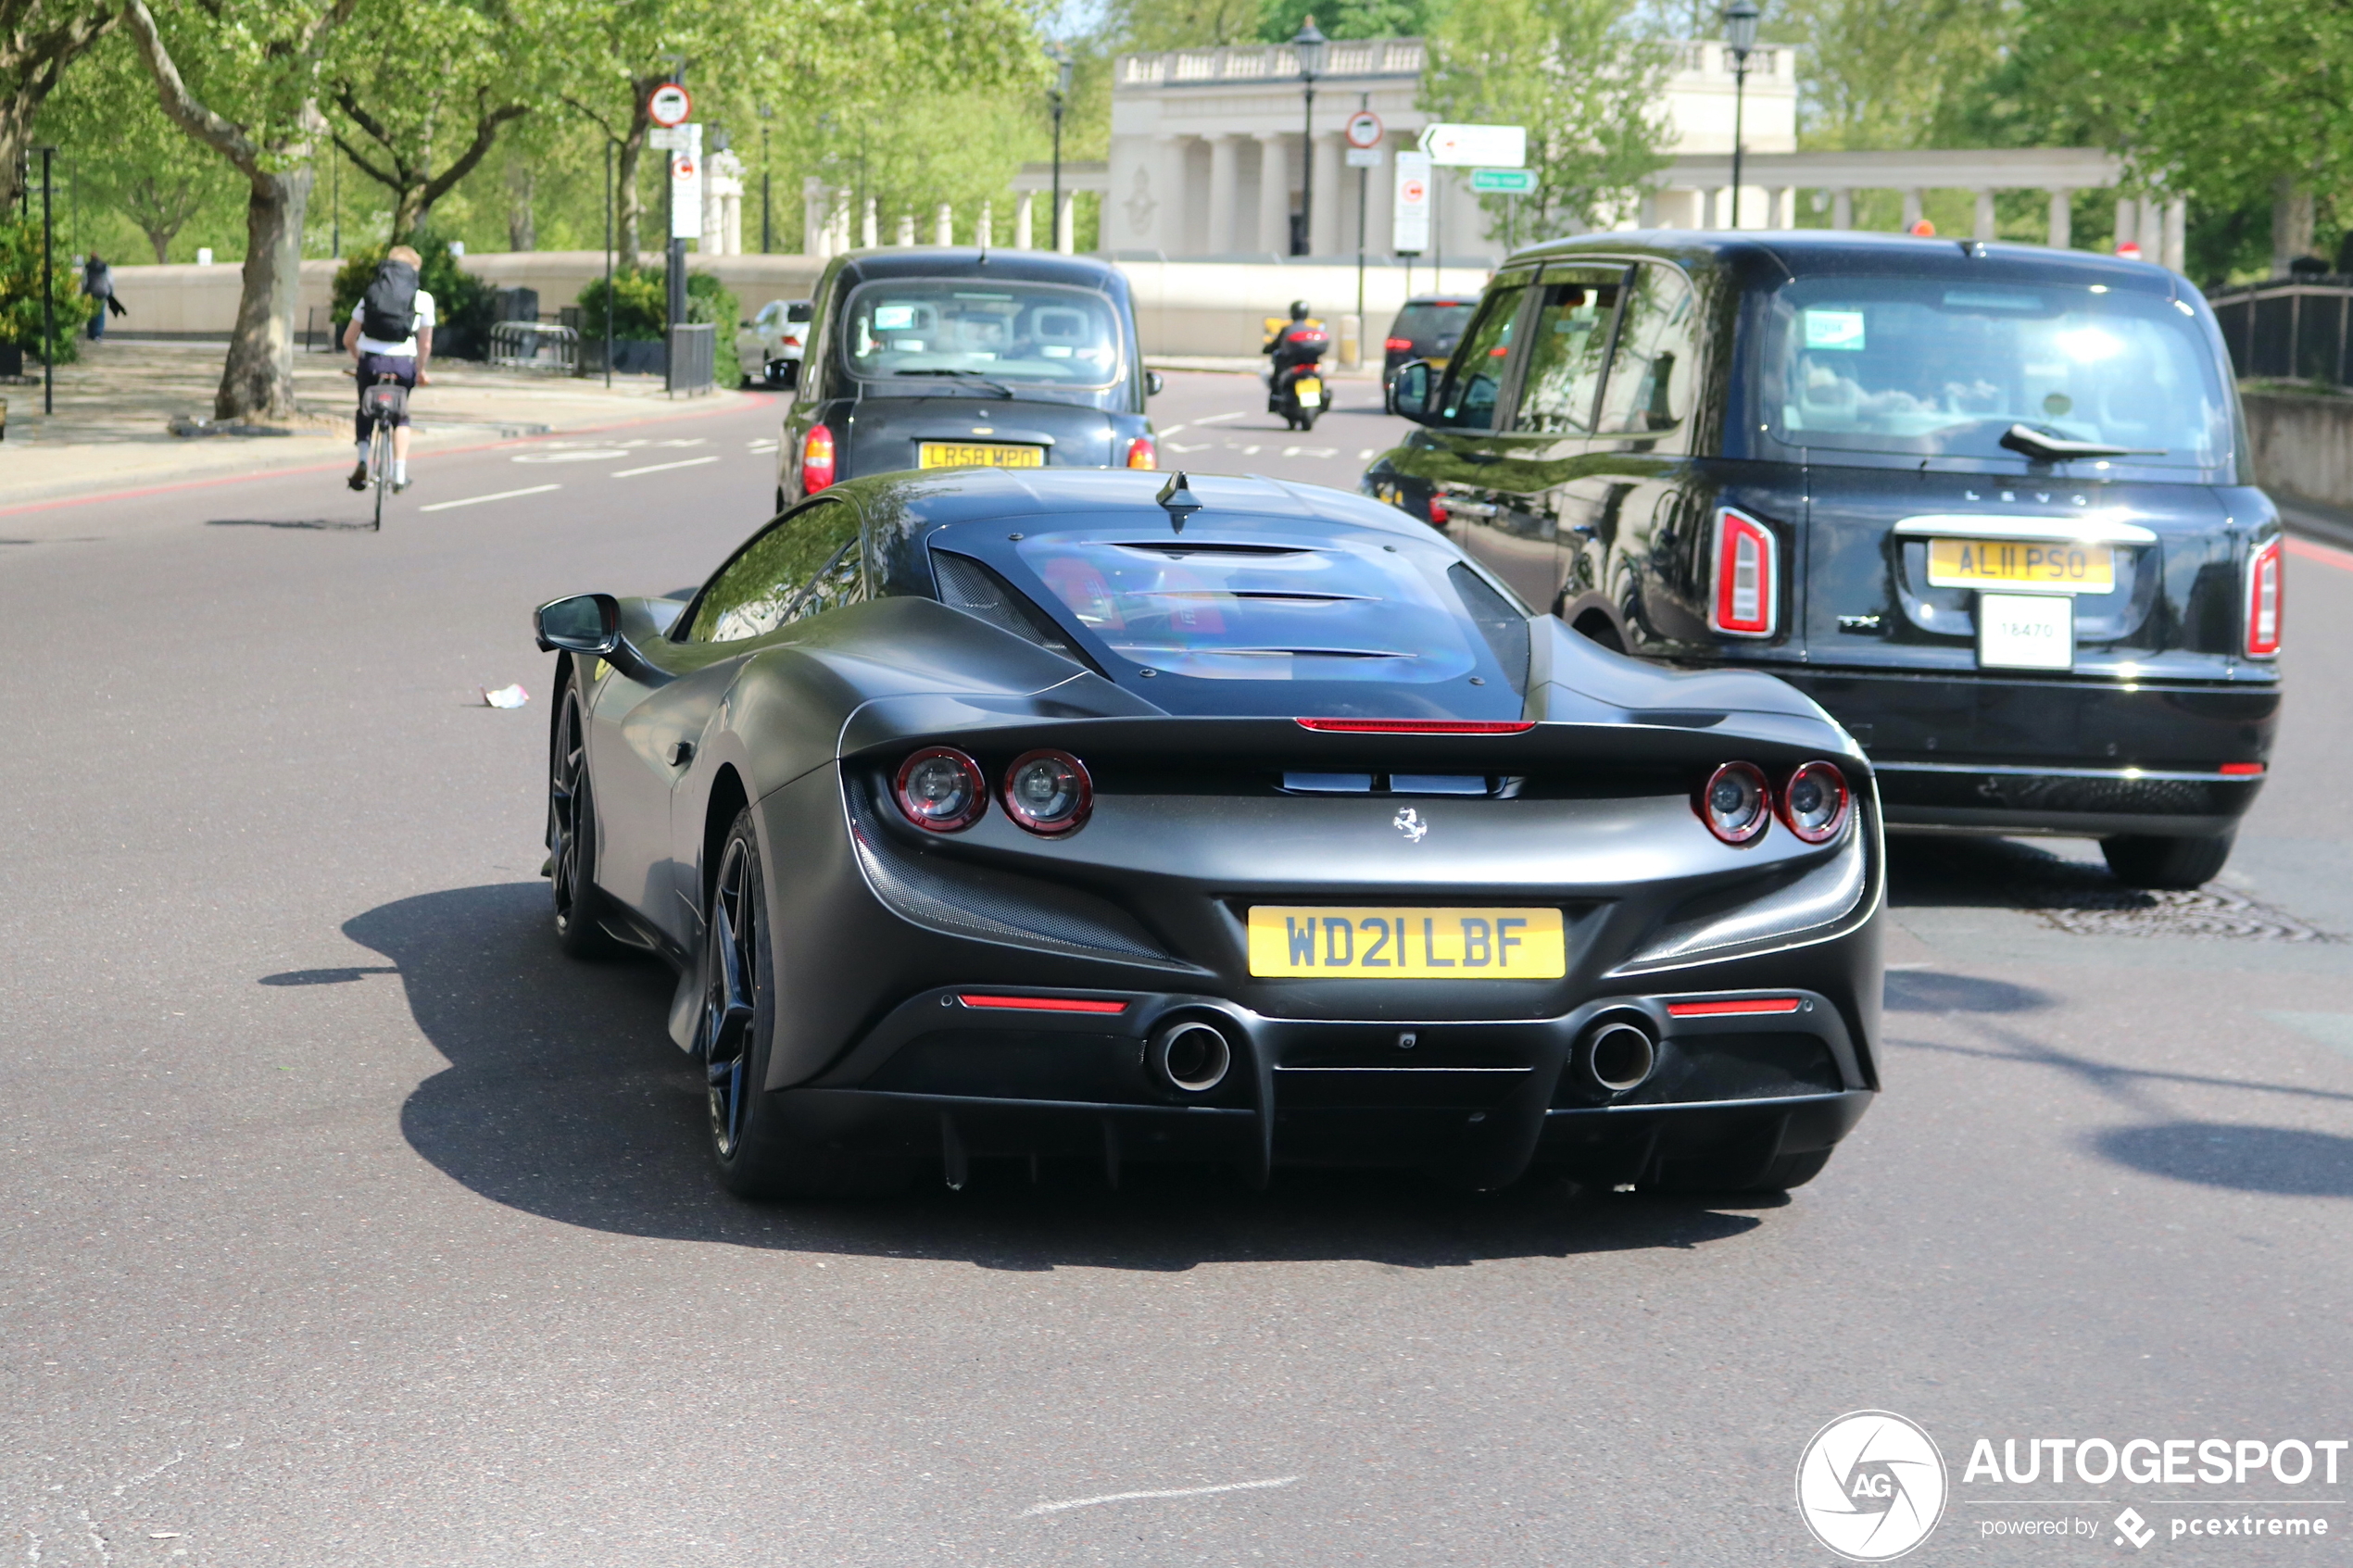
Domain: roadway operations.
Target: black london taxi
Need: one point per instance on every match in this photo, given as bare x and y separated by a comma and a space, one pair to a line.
1992, 505
941, 356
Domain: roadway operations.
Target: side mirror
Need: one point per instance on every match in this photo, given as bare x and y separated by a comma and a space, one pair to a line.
1409, 391
789, 377
1153, 385
586, 623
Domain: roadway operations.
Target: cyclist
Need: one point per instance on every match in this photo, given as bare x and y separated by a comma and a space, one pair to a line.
390, 334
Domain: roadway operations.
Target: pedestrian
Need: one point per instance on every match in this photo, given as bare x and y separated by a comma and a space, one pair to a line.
390, 336
97, 282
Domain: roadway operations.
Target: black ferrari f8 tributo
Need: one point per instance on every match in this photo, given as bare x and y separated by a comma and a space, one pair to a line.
1097, 814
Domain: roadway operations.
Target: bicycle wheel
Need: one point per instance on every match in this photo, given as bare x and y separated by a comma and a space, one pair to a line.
379, 467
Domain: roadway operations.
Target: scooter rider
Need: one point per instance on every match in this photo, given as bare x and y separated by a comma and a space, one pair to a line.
1295, 346
1290, 346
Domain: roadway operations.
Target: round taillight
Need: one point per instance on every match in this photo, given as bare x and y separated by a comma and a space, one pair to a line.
941, 790
1737, 804
1047, 791
1815, 802
817, 471
1142, 453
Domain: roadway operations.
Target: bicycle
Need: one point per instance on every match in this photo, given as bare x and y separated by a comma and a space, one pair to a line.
382, 405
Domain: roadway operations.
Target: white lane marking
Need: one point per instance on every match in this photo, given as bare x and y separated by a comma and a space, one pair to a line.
1245, 451
662, 468
1171, 430
760, 444
1215, 418
1180, 447
1172, 1492
1292, 451
571, 455
1321, 451
1365, 456
502, 496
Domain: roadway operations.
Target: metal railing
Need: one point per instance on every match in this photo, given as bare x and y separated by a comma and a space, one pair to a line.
534, 346
693, 350
2290, 329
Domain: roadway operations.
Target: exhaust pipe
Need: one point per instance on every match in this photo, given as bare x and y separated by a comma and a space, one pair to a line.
1618, 1056
1192, 1057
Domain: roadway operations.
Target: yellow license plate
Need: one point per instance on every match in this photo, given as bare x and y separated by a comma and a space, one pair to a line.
1972, 563
1407, 943
1309, 391
977, 454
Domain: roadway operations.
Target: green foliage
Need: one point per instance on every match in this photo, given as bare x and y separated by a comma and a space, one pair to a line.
21, 294
640, 307
1896, 73
463, 305
709, 300
1582, 82
128, 165
1279, 20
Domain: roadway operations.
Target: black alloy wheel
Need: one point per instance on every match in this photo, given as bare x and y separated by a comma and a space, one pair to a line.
759, 1153
572, 836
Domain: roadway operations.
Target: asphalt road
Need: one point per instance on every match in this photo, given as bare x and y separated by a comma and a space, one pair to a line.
345, 1223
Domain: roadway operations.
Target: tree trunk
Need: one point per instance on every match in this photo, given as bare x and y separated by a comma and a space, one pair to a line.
625, 177
523, 230
257, 381
2292, 221
161, 240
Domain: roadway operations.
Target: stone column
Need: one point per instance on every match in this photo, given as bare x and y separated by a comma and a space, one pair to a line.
1066, 223
1785, 208
2062, 220
1222, 167
869, 226
1025, 237
944, 229
2177, 235
1274, 193
2128, 219
1983, 228
1324, 221
1911, 209
986, 238
1841, 210
906, 228
1648, 216
814, 212
2151, 229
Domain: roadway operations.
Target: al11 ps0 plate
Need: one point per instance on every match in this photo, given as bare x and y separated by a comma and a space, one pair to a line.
1409, 943
2007, 563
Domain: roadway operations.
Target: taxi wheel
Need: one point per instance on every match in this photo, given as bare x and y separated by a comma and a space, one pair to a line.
2167, 865
758, 1153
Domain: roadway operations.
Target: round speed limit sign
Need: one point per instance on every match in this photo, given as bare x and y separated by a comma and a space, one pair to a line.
669, 105
1363, 128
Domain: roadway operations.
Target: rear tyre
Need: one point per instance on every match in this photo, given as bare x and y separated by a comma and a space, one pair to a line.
1778, 1175
572, 836
1307, 420
2168, 865
380, 467
757, 1153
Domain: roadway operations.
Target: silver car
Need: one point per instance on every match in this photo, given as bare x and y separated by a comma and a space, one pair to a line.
770, 345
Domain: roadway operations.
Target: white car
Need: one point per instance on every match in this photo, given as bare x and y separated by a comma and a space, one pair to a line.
770, 345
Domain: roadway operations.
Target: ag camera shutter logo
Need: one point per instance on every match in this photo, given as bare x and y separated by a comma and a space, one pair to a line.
1871, 1485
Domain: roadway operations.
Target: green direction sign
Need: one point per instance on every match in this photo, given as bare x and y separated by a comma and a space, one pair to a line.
1517, 182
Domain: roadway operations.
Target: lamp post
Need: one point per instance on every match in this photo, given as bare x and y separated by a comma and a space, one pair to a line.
608, 300
1309, 45
766, 113
1739, 35
49, 294
1060, 55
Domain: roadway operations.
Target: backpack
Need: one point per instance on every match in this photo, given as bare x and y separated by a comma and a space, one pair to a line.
388, 310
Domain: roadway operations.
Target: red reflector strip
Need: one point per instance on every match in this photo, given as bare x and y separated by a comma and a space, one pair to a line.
1418, 726
1040, 1004
1734, 1008
2242, 769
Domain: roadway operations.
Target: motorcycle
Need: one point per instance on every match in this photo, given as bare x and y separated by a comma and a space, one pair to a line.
1295, 387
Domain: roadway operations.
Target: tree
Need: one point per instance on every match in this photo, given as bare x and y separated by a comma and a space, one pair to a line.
127, 156
1893, 73
259, 61
405, 122
38, 40
1579, 78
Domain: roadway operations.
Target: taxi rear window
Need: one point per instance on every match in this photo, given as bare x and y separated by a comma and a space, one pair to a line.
1926, 366
1264, 611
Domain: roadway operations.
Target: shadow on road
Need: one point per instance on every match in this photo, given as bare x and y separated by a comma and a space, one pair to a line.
564, 1098
2277, 1160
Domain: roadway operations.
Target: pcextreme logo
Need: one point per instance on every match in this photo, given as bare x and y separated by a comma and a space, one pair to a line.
1871, 1485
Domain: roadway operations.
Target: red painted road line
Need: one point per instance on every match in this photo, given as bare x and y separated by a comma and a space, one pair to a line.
336, 467
2326, 555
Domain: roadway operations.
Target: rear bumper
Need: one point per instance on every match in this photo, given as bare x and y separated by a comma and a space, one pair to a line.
1483, 1102
1974, 753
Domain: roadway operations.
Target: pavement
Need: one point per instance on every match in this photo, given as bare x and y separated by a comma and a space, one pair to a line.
347, 1222
117, 408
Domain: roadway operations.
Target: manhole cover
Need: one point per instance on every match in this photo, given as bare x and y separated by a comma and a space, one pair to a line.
2087, 901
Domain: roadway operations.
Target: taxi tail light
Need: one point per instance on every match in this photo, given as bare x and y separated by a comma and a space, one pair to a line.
816, 459
1815, 802
1736, 803
2263, 601
1398, 344
1142, 453
1747, 593
1438, 512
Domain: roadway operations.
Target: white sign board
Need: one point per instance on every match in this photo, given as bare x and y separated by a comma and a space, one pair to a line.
1364, 157
1410, 234
1481, 147
686, 197
1363, 128
668, 104
675, 138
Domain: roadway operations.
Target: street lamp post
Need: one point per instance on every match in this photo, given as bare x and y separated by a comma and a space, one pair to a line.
1060, 55
49, 295
608, 300
766, 113
1740, 34
1309, 45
